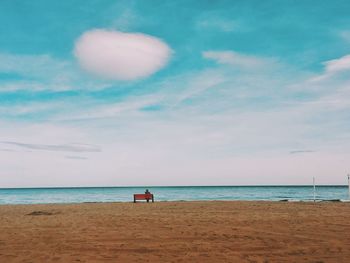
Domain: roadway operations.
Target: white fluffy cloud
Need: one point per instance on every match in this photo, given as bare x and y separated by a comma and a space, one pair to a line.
121, 56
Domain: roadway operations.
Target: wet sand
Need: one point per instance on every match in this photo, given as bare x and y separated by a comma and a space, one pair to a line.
176, 232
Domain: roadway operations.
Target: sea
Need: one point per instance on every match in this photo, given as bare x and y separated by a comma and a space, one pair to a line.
172, 193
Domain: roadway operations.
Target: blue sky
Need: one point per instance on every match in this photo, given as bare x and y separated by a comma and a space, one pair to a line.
174, 92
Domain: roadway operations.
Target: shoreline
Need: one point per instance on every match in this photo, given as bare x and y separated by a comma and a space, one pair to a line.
189, 201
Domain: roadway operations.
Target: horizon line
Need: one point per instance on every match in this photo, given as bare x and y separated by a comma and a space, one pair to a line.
173, 186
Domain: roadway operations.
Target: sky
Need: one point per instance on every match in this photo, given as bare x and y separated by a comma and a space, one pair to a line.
122, 93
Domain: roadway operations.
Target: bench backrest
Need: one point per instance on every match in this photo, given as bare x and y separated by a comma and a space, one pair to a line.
143, 196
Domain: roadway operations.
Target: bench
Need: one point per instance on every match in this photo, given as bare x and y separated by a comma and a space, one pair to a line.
146, 197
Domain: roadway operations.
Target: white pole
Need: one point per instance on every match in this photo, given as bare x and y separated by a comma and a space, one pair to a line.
349, 185
313, 181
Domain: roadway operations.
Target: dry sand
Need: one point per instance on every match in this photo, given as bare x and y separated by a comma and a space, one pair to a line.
176, 232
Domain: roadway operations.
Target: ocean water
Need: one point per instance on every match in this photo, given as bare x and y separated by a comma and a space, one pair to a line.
186, 193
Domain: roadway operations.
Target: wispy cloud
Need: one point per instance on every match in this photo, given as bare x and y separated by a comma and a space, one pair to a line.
109, 110
345, 35
26, 109
44, 72
236, 59
74, 147
198, 83
76, 157
6, 150
333, 67
125, 20
301, 151
336, 65
34, 66
216, 23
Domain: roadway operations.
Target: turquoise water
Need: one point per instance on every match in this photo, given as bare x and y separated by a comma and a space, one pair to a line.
187, 193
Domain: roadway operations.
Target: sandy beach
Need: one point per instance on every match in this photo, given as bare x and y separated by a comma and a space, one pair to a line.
176, 232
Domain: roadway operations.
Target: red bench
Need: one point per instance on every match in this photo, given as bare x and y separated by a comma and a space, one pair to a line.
146, 197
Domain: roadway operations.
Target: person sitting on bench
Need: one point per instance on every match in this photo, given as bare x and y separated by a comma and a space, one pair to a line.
147, 193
